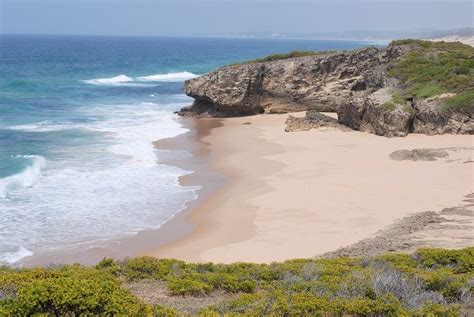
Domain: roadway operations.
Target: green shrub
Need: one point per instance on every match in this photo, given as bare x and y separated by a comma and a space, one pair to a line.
431, 282
187, 286
246, 286
389, 105
461, 261
432, 68
403, 262
152, 268
109, 265
161, 311
446, 283
424, 90
292, 54
463, 102
398, 99
421, 43
229, 282
434, 310
250, 304
461, 70
68, 291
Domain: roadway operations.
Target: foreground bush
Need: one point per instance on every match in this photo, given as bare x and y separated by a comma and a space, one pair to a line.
431, 282
67, 291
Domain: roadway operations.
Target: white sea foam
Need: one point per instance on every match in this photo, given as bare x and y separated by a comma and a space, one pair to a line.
124, 80
135, 128
15, 256
46, 126
109, 81
96, 191
25, 178
170, 77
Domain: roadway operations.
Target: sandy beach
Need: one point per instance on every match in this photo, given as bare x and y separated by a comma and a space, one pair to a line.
302, 194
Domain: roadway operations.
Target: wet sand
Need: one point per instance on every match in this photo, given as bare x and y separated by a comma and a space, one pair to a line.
188, 151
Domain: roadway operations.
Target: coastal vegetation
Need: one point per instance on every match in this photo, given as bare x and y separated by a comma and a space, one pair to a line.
430, 282
292, 54
434, 68
428, 69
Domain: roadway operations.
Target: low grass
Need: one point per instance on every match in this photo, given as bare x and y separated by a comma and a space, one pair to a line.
463, 102
398, 99
431, 282
389, 105
292, 54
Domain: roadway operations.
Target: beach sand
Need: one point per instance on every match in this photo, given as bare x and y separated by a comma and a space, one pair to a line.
301, 194
269, 195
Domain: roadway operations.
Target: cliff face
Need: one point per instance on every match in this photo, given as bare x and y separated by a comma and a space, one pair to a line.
318, 82
354, 84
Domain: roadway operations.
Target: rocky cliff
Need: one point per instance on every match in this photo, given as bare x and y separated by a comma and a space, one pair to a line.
377, 90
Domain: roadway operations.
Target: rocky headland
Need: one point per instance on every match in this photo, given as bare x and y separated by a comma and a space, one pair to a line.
411, 86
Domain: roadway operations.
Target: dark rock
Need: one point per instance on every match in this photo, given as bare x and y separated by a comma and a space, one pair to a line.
312, 120
418, 155
432, 118
351, 113
382, 121
367, 115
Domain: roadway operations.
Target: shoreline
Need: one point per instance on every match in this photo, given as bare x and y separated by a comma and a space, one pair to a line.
190, 153
250, 219
255, 202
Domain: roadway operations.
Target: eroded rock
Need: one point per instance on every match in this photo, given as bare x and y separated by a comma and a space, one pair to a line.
431, 117
367, 115
353, 83
320, 82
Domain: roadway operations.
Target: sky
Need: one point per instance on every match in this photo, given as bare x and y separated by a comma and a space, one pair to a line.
224, 17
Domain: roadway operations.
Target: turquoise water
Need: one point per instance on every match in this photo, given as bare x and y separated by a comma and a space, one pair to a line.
77, 119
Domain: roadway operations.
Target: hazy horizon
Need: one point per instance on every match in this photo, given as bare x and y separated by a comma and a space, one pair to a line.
229, 17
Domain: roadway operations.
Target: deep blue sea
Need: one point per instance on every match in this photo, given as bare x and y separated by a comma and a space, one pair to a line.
78, 116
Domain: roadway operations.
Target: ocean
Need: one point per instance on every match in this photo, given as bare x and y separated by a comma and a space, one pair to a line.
78, 115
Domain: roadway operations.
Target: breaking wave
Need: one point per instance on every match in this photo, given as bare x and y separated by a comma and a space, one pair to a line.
124, 80
109, 81
15, 256
25, 178
170, 77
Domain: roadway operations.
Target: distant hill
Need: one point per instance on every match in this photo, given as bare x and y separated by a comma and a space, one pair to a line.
465, 35
376, 36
